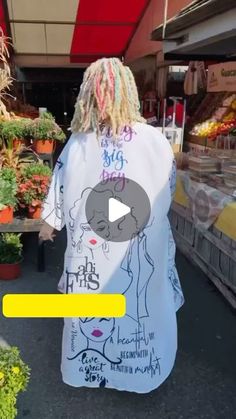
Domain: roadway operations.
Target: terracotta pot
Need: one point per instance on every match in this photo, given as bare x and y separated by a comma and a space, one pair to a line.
10, 270
44, 146
17, 142
35, 212
6, 215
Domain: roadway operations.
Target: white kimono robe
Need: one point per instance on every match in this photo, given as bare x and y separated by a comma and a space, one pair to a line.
136, 352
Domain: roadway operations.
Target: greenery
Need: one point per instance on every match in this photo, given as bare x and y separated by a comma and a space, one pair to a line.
34, 186
8, 188
14, 378
14, 129
39, 169
46, 128
47, 115
10, 248
15, 160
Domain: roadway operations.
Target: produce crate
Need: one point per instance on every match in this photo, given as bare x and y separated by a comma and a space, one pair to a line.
211, 250
197, 140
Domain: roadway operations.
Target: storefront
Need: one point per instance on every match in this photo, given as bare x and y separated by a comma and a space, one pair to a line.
204, 210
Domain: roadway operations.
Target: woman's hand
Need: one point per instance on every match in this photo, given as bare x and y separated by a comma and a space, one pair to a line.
46, 232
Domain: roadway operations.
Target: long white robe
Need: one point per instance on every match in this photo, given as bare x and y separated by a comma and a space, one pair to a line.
136, 352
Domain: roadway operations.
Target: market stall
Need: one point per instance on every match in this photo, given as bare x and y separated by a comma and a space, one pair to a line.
27, 142
203, 214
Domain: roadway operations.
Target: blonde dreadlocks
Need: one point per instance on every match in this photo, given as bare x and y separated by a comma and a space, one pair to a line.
108, 95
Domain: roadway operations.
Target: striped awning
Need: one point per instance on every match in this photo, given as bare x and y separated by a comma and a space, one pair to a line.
69, 32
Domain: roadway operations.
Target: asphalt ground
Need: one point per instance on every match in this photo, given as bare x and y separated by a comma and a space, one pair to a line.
201, 386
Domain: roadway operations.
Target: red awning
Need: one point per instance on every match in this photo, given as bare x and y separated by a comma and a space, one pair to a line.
2, 18
78, 31
105, 29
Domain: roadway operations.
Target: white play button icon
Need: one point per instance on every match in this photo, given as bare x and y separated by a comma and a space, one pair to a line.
117, 210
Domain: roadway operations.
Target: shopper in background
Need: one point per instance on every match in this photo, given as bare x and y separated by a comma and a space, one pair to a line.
136, 352
179, 113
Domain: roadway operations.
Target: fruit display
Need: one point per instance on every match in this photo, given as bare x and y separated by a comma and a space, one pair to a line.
207, 107
221, 122
213, 128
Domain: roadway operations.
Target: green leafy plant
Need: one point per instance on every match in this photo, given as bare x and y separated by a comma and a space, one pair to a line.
15, 160
47, 115
46, 128
10, 248
14, 378
15, 129
36, 169
34, 185
8, 188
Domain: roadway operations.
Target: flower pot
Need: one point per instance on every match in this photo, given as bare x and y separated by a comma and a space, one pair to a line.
35, 212
18, 142
6, 215
10, 271
44, 146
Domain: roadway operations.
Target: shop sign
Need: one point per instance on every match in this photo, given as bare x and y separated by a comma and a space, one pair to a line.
222, 77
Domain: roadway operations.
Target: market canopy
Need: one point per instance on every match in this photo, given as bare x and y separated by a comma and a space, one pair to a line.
75, 32
203, 30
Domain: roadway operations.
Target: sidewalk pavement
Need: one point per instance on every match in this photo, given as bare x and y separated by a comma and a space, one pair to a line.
203, 382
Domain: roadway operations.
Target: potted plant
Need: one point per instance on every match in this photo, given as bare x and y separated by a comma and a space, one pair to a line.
14, 378
10, 255
15, 131
45, 132
8, 191
15, 160
33, 188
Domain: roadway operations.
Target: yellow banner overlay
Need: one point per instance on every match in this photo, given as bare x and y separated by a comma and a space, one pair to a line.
64, 305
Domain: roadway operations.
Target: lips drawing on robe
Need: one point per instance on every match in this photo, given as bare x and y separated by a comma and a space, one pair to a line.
93, 241
97, 333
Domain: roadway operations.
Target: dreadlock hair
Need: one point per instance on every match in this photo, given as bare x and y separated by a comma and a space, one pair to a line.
108, 96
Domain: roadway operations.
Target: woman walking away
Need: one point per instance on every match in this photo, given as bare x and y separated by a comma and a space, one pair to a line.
111, 151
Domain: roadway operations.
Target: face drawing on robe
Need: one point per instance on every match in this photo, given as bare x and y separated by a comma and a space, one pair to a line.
97, 331
140, 267
82, 235
90, 239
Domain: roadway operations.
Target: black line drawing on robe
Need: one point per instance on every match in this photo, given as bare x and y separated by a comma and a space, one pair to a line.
59, 164
172, 271
58, 188
140, 268
172, 179
82, 234
97, 331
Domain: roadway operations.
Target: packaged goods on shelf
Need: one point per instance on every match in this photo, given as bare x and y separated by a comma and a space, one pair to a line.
203, 164
199, 177
200, 167
229, 173
216, 180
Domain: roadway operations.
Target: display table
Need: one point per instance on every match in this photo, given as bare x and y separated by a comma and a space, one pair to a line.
213, 249
26, 225
224, 215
